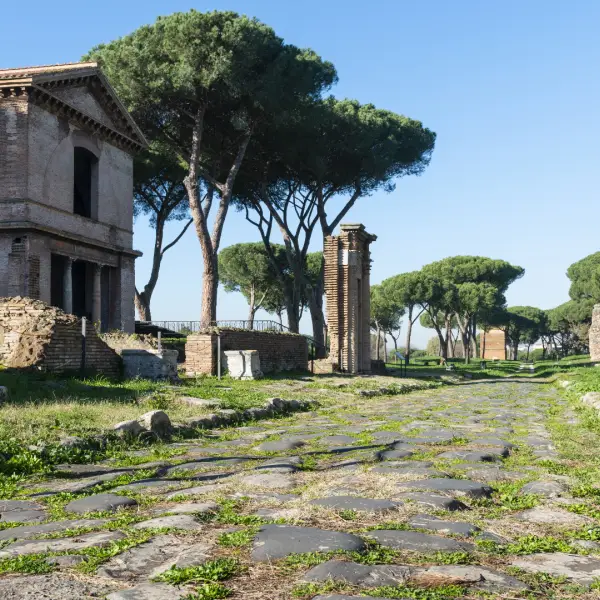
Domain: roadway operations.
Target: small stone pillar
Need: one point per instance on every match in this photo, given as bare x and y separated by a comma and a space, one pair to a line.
68, 286
347, 289
595, 334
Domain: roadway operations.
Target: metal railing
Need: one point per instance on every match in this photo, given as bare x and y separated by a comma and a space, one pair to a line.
187, 327
257, 325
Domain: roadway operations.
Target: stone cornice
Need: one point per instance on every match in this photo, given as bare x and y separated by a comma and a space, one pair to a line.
40, 96
13, 226
49, 207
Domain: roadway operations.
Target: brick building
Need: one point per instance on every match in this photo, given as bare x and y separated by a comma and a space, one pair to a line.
66, 192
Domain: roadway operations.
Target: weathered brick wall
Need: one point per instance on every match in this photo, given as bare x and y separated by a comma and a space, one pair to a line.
595, 334
201, 354
277, 351
33, 334
13, 157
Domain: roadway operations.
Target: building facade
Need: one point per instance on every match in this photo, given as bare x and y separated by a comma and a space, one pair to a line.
348, 298
66, 192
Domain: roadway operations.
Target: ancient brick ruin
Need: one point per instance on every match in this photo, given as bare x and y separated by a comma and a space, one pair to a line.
277, 351
66, 192
36, 335
595, 334
493, 344
347, 289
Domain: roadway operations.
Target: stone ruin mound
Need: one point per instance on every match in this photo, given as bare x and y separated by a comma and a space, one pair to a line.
36, 335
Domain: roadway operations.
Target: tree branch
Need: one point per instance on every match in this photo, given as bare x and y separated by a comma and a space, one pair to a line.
168, 246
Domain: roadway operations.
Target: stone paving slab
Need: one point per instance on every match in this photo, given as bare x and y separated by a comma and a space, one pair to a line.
580, 569
30, 531
276, 541
99, 503
420, 542
81, 542
461, 487
150, 591
52, 587
356, 503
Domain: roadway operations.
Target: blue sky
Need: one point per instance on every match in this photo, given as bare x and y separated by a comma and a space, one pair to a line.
511, 88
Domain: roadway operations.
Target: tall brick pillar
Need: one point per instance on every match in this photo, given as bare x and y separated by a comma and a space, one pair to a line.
347, 289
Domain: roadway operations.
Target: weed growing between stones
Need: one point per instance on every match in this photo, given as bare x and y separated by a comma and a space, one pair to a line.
211, 571
30, 564
238, 539
445, 592
209, 591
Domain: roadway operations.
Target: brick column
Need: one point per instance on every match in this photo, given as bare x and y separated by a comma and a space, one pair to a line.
68, 286
97, 295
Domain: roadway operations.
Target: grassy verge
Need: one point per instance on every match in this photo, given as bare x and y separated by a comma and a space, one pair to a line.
44, 408
496, 369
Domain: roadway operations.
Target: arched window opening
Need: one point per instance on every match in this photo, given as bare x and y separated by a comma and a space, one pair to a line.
83, 182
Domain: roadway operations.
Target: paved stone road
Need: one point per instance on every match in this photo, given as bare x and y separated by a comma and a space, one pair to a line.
439, 494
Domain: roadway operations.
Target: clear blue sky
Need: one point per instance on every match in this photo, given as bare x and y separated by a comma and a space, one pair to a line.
511, 88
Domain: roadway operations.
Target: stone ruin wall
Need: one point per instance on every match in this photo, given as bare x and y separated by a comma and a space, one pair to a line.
277, 351
595, 334
34, 334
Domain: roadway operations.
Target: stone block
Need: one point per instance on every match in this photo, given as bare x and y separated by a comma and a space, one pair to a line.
148, 364
4, 396
131, 428
156, 421
242, 364
591, 399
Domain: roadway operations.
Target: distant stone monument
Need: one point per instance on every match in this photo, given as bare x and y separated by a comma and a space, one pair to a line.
595, 334
493, 344
347, 289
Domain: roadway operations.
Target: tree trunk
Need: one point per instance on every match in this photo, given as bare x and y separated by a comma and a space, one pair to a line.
210, 283
409, 333
448, 335
515, 352
443, 346
291, 310
463, 329
465, 342
377, 352
385, 356
528, 347
143, 306
315, 305
252, 308
209, 244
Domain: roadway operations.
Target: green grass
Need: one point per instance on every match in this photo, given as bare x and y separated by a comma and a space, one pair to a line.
505, 368
44, 408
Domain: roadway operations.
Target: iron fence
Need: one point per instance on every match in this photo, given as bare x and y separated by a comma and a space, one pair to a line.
187, 327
